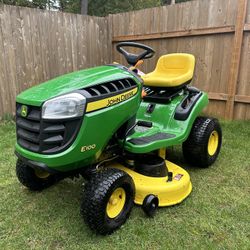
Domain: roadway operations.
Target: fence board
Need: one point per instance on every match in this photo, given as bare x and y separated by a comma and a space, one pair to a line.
236, 56
243, 88
207, 29
39, 45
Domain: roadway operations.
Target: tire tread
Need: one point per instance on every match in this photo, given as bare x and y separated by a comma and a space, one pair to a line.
26, 175
95, 198
195, 147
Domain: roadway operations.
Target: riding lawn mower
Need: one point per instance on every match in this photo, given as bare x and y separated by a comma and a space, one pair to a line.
112, 124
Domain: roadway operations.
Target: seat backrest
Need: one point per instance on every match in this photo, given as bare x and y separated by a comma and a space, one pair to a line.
176, 64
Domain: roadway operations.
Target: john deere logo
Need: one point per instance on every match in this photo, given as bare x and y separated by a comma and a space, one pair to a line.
24, 111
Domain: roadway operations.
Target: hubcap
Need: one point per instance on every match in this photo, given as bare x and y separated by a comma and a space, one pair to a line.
213, 143
41, 174
116, 203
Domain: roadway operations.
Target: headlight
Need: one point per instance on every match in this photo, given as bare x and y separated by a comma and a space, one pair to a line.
62, 107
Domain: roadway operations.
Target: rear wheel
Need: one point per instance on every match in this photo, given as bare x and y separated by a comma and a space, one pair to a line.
204, 142
33, 179
107, 200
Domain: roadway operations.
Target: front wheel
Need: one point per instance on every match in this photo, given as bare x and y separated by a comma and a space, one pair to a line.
33, 179
107, 200
204, 142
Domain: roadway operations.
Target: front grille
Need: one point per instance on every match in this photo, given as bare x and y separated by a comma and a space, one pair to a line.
44, 136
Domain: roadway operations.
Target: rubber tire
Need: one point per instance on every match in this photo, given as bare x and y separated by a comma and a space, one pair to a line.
26, 175
150, 205
195, 148
96, 195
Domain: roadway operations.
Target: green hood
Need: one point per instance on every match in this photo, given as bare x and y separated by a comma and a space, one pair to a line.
67, 83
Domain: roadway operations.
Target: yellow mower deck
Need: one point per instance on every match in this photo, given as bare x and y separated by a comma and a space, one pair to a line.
168, 193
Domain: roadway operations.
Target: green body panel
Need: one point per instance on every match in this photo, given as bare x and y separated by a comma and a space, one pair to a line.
164, 122
64, 84
97, 129
99, 126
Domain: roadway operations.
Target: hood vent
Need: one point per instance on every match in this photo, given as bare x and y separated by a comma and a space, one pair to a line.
110, 88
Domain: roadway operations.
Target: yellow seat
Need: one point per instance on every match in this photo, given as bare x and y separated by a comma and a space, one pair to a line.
172, 70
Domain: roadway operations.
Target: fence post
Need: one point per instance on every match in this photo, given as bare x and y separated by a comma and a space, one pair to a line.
236, 56
110, 36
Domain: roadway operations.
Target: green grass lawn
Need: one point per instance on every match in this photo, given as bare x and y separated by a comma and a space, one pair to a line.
215, 216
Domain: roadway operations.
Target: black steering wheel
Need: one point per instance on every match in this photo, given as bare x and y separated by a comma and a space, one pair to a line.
132, 59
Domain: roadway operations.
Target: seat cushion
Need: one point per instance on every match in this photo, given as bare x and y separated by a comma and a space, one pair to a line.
171, 70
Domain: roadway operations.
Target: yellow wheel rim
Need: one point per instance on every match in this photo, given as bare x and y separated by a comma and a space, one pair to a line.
213, 143
41, 174
116, 203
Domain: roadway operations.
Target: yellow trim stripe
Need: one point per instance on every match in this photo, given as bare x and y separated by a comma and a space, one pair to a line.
110, 101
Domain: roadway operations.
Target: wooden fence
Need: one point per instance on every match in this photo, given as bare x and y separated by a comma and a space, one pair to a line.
215, 31
38, 45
